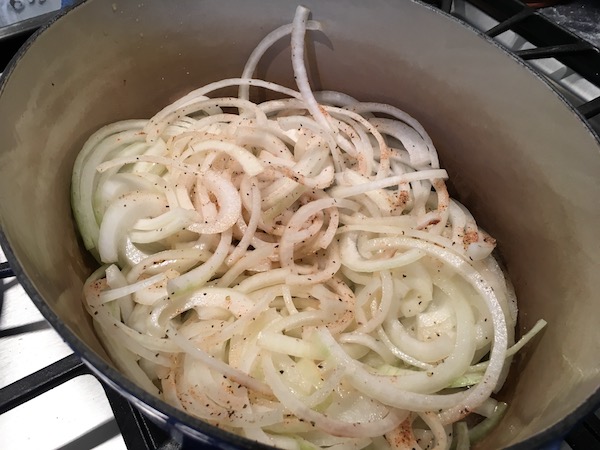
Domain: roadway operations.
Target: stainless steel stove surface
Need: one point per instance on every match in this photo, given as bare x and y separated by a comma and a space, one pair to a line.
76, 414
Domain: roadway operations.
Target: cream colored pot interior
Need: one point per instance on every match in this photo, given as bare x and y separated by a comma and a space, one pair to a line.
519, 158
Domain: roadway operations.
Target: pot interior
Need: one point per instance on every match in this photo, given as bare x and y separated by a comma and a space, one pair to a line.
518, 157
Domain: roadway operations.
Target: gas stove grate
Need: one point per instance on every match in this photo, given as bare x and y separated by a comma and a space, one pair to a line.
549, 40
37, 383
138, 433
5, 271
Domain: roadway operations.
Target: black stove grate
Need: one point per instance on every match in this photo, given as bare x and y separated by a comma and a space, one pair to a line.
5, 271
550, 40
139, 433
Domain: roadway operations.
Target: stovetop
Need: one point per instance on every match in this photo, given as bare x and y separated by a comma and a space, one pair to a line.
62, 406
79, 408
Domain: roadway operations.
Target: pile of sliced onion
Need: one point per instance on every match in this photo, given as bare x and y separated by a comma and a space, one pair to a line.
293, 271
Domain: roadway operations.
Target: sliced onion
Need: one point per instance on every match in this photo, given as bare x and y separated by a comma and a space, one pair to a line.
294, 271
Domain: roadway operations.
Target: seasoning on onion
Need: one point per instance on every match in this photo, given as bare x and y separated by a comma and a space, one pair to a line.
294, 271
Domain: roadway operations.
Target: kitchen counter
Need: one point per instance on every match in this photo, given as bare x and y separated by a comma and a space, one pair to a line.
582, 17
